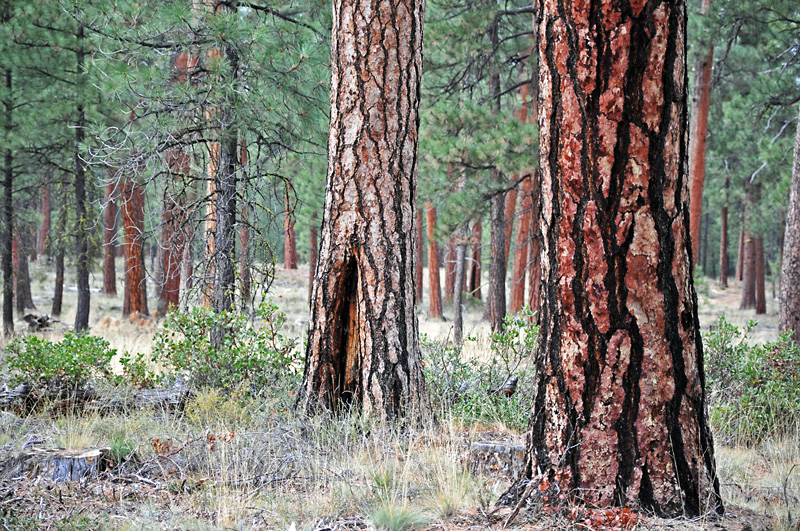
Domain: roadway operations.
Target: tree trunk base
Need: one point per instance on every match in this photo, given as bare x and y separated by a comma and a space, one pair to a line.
57, 465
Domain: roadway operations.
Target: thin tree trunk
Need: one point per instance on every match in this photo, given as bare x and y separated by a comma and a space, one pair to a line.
704, 252
458, 314
518, 273
363, 351
723, 240
789, 319
8, 208
619, 414
508, 214
449, 270
697, 136
244, 254
109, 232
135, 295
418, 262
740, 255
44, 230
22, 278
497, 271
289, 241
761, 297
58, 289
749, 255
82, 232
474, 286
434, 288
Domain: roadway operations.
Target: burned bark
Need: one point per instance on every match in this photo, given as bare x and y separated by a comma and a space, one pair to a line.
363, 352
619, 413
8, 210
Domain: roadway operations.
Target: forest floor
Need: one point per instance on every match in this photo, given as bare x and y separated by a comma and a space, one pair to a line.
218, 465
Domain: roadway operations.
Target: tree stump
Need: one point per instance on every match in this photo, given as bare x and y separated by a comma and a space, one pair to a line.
57, 465
497, 459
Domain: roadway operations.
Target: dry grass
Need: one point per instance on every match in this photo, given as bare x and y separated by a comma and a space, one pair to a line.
237, 462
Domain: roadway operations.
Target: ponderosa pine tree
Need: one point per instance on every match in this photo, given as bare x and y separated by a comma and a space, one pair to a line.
790, 267
619, 413
363, 349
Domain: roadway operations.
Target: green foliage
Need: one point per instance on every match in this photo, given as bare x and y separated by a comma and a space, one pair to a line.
393, 516
470, 388
754, 389
71, 361
258, 355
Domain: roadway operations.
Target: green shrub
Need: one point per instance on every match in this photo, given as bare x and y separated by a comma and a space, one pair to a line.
469, 388
754, 390
258, 355
70, 362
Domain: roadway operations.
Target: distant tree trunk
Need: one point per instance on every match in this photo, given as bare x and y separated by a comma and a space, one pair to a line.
723, 239
761, 297
519, 270
44, 230
173, 235
790, 265
289, 241
418, 263
474, 284
697, 136
449, 269
704, 252
135, 295
619, 413
23, 275
748, 273
434, 288
109, 232
534, 246
497, 271
740, 255
8, 211
58, 289
187, 268
245, 265
82, 229
363, 351
313, 246
508, 214
458, 314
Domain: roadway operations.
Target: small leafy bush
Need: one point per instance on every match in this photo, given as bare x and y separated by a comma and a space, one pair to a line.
70, 362
754, 390
258, 355
470, 388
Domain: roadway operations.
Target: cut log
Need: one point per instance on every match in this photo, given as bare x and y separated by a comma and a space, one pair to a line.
497, 459
14, 398
57, 465
173, 399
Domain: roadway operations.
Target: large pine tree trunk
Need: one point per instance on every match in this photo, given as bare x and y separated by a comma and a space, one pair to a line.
135, 295
474, 284
83, 223
697, 137
619, 414
8, 214
723, 240
109, 232
497, 268
363, 349
790, 263
518, 273
434, 288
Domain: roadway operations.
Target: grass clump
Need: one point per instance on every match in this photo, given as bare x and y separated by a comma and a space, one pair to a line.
754, 389
471, 390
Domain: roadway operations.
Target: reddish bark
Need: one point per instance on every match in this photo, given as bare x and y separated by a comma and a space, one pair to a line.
619, 415
534, 247
109, 246
434, 288
761, 298
449, 269
519, 270
697, 138
363, 351
135, 295
173, 236
474, 284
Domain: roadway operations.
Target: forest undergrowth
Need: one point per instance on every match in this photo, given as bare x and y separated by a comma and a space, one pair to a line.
234, 455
